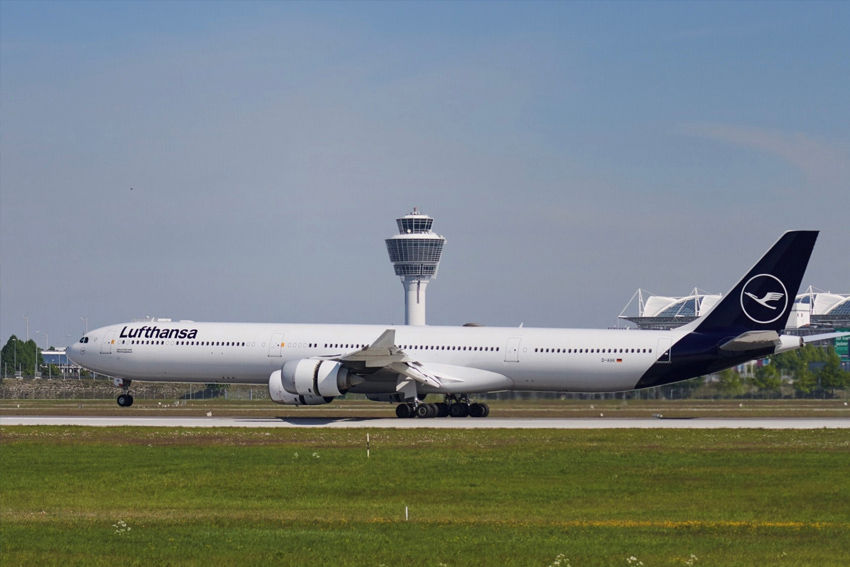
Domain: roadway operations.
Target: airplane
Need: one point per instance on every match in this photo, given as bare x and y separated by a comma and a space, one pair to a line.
305, 364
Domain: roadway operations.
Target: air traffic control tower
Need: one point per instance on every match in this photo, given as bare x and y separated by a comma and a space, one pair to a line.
415, 254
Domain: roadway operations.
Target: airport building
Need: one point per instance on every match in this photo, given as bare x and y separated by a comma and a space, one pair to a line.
57, 358
415, 254
54, 364
813, 308
815, 311
664, 312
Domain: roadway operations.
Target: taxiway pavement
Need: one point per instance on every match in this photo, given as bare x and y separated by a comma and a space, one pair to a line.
437, 423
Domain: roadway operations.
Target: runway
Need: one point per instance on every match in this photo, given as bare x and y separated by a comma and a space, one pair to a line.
436, 423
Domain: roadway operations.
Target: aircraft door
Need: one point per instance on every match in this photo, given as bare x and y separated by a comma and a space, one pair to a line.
106, 345
512, 349
275, 345
665, 348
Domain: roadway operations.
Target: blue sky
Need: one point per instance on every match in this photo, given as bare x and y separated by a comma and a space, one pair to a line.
570, 152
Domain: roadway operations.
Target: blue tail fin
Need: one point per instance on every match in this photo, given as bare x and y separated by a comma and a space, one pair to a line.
763, 299
746, 323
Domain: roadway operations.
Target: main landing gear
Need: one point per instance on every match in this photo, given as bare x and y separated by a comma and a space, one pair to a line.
125, 400
454, 406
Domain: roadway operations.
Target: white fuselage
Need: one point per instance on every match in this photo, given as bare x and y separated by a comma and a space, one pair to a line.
530, 358
312, 364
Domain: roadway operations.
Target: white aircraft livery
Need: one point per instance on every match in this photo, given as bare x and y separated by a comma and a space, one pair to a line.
313, 364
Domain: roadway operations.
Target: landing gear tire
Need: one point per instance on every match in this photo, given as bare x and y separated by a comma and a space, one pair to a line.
425, 410
442, 409
479, 410
459, 410
404, 411
125, 400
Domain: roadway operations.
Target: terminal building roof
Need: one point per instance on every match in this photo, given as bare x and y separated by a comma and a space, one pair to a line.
813, 308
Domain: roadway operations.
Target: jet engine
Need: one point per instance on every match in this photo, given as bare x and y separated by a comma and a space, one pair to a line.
315, 377
308, 381
278, 394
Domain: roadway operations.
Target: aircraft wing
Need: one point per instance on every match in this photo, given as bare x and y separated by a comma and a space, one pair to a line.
384, 355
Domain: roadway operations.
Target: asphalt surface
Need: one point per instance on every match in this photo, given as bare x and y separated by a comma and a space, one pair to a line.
438, 423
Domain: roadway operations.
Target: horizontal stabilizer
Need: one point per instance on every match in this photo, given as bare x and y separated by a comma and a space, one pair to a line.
752, 340
824, 337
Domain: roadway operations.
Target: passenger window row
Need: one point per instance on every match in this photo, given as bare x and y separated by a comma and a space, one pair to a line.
187, 343
453, 347
419, 347
593, 350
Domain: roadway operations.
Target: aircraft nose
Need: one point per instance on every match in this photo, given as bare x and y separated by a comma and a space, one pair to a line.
73, 352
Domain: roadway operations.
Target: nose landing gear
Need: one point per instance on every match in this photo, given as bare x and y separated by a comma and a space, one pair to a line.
124, 400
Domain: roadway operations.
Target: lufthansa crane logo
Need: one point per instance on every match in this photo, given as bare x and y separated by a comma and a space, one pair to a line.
764, 298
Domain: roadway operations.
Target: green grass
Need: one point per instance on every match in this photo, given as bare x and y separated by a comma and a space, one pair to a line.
503, 497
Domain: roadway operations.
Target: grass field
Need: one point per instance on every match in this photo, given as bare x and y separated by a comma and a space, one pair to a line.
149, 496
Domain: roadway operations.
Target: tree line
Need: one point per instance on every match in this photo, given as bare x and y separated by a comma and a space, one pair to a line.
809, 372
24, 355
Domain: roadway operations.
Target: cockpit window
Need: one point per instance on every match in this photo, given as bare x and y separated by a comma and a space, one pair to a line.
84, 340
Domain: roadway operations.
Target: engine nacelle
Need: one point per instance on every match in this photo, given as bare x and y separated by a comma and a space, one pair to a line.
314, 377
278, 394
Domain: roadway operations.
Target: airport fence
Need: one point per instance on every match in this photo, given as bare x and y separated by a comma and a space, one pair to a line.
103, 389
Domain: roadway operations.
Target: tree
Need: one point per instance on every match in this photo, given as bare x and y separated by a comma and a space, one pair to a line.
831, 375
729, 384
25, 354
813, 369
767, 379
805, 381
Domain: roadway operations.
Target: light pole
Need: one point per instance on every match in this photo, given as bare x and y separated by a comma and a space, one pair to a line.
35, 363
46, 339
28, 327
85, 320
65, 361
46, 347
